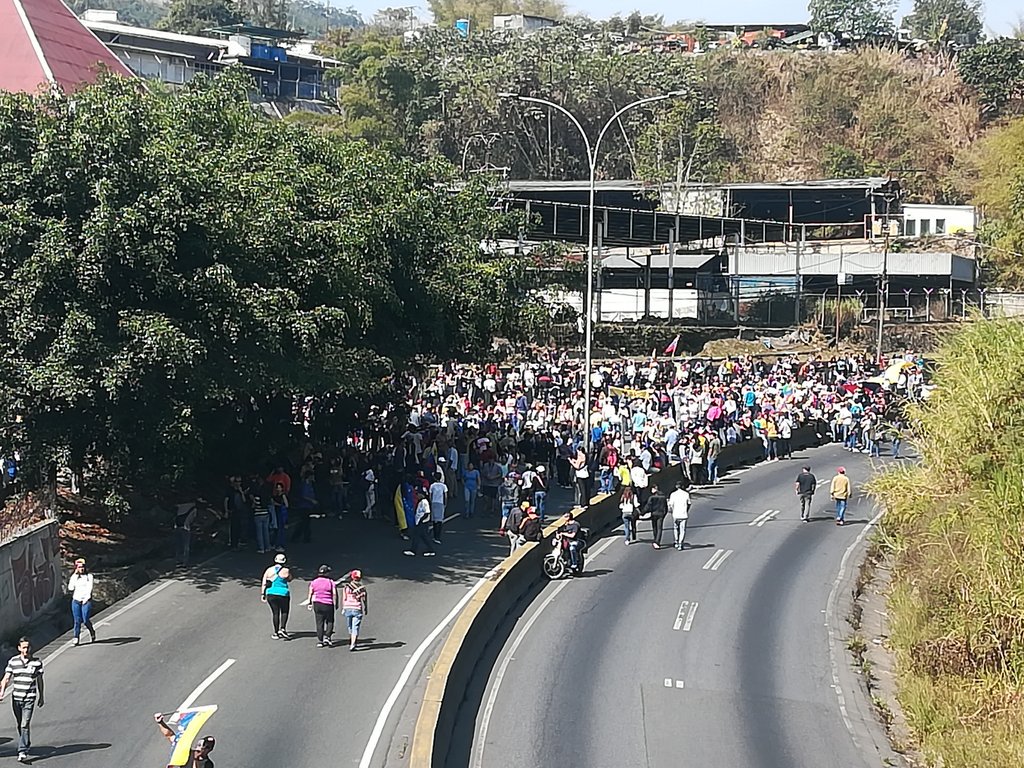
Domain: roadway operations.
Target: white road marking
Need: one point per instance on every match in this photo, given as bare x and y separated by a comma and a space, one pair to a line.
485, 715
684, 619
668, 682
716, 560
188, 702
452, 516
689, 617
833, 639
107, 621
759, 518
679, 683
771, 516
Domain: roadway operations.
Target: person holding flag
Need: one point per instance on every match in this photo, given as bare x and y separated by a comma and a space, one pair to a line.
671, 348
186, 750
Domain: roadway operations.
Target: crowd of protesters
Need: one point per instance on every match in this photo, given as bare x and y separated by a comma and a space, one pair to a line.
497, 437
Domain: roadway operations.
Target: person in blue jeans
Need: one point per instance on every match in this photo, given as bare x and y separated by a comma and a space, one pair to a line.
80, 587
540, 492
470, 489
840, 490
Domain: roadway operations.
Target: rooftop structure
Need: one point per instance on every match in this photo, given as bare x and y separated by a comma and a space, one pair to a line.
43, 44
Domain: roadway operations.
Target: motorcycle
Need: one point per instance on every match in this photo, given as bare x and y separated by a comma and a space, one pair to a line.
557, 562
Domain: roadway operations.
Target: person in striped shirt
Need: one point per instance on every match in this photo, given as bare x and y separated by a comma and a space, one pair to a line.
24, 678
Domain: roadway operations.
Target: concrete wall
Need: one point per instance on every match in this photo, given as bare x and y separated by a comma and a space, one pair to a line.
30, 576
507, 584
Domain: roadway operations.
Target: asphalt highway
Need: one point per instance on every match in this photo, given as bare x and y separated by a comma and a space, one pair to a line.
205, 637
717, 656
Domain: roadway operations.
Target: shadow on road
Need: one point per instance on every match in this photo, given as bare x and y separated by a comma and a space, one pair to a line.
116, 641
44, 753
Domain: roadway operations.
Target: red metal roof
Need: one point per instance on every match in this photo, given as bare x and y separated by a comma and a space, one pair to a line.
43, 43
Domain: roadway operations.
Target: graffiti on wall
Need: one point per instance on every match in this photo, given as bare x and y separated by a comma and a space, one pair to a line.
29, 575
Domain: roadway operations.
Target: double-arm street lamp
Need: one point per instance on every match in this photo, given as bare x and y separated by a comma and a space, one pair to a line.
592, 154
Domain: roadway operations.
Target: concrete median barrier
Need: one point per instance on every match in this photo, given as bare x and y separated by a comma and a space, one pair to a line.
504, 588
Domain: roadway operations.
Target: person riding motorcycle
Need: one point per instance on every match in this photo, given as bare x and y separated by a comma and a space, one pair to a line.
569, 533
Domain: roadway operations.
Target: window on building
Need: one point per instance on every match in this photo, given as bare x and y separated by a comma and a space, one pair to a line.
940, 226
910, 228
926, 227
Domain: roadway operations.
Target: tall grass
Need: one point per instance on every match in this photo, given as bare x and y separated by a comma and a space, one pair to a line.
956, 526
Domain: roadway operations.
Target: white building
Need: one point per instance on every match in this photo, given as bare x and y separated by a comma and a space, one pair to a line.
521, 22
926, 219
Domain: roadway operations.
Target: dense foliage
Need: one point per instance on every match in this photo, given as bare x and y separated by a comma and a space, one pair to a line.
852, 18
175, 264
954, 526
945, 21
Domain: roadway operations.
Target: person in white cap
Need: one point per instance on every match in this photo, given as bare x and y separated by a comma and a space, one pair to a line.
277, 594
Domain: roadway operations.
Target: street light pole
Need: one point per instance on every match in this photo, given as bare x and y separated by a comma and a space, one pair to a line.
592, 155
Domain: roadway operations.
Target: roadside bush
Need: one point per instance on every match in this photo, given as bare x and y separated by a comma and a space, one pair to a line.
955, 525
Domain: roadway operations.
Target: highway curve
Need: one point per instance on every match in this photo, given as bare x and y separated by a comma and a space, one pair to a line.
718, 656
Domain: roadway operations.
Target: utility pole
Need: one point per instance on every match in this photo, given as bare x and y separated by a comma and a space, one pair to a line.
890, 193
671, 273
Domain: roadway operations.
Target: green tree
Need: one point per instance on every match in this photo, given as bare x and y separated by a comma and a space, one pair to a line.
142, 13
176, 264
943, 21
996, 71
999, 191
855, 18
192, 17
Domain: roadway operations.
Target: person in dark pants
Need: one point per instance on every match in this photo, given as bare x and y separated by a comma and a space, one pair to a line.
806, 484
24, 679
236, 509
657, 508
303, 507
420, 533
323, 602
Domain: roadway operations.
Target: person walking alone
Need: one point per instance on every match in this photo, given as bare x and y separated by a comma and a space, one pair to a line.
420, 528
438, 493
355, 606
80, 586
628, 510
24, 678
323, 602
806, 484
840, 492
277, 594
679, 506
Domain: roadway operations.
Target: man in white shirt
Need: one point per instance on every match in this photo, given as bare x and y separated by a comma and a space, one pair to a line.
679, 507
438, 493
638, 476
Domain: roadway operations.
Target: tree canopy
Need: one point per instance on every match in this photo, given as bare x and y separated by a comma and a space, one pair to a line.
175, 262
944, 21
853, 18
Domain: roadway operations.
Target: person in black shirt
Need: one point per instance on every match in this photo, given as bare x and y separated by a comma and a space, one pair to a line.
657, 507
531, 527
805, 485
570, 531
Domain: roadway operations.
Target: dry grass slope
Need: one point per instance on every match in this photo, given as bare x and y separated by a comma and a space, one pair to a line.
956, 525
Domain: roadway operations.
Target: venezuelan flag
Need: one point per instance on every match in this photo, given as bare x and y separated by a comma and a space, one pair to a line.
187, 724
399, 509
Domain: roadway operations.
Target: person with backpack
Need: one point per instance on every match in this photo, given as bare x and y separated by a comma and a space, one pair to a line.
513, 527
531, 529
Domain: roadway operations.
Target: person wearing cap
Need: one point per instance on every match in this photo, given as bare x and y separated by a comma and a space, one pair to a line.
323, 602
531, 528
80, 587
840, 492
355, 605
277, 594
200, 757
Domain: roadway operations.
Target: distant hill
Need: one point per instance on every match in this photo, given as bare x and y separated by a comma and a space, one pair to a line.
311, 16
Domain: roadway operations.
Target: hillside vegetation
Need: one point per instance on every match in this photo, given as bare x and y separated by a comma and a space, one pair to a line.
955, 526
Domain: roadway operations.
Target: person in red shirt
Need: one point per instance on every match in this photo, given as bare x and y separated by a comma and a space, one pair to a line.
282, 477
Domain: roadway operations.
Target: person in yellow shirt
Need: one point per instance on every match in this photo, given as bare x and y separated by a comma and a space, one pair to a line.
840, 490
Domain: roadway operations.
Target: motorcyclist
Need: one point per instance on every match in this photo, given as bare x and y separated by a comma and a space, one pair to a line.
569, 531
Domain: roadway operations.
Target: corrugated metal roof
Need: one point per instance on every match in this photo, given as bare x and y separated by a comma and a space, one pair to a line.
42, 41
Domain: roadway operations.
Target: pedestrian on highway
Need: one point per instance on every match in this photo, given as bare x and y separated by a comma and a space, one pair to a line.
679, 506
806, 484
420, 533
840, 491
323, 602
279, 515
438, 493
259, 500
470, 489
200, 757
80, 587
628, 509
184, 516
305, 504
540, 492
513, 527
532, 528
277, 594
355, 605
640, 481
657, 508
237, 512
370, 478
24, 678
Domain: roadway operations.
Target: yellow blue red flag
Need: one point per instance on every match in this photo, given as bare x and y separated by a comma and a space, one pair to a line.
187, 723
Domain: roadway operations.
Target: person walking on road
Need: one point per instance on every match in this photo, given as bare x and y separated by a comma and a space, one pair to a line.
840, 491
438, 492
278, 508
323, 602
513, 528
354, 605
470, 489
24, 679
200, 756
806, 484
420, 533
277, 594
657, 508
679, 506
80, 587
184, 516
532, 529
628, 509
370, 478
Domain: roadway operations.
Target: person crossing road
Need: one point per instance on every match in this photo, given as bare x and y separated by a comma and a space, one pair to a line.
805, 485
840, 491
